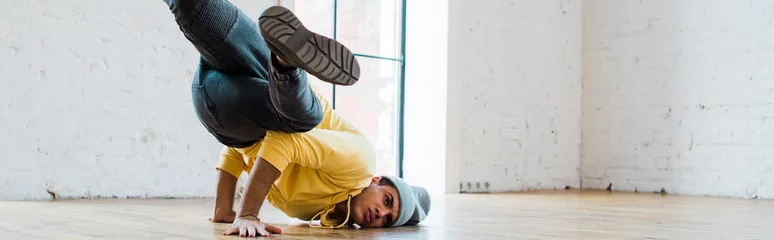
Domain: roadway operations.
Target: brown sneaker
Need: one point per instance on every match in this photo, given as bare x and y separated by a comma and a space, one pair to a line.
324, 58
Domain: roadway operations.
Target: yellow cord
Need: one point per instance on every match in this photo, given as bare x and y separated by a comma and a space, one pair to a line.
325, 212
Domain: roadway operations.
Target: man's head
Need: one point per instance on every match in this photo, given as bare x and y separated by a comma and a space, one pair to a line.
389, 202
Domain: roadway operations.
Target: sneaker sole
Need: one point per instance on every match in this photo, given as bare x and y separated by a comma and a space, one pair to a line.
324, 58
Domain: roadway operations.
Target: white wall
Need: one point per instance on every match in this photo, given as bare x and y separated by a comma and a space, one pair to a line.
426, 95
679, 95
514, 86
96, 98
95, 101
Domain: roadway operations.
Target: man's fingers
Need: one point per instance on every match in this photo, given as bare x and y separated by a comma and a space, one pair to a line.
242, 231
273, 229
263, 232
251, 231
230, 231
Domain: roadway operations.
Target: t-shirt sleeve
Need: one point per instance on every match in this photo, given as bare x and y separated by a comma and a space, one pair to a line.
231, 162
333, 152
305, 149
278, 150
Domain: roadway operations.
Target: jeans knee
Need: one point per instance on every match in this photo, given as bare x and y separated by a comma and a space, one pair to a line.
312, 119
317, 116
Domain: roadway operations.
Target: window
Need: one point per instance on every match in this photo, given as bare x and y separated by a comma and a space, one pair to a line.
373, 31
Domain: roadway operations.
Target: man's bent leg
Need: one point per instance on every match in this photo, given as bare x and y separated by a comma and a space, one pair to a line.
325, 58
292, 97
298, 48
227, 39
230, 42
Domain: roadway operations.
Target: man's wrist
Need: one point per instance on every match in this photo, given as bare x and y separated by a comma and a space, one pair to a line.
248, 209
223, 209
224, 205
249, 216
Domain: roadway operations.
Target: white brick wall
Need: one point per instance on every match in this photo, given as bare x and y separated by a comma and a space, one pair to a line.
679, 95
517, 65
95, 101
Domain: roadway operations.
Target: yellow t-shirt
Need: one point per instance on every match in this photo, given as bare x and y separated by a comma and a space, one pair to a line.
319, 168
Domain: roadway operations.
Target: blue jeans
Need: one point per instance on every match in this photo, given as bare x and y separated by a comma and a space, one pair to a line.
238, 93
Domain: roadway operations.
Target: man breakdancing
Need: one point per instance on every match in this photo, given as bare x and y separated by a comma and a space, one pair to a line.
250, 92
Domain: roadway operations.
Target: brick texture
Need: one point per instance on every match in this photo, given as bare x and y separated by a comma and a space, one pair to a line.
520, 83
674, 95
95, 102
677, 95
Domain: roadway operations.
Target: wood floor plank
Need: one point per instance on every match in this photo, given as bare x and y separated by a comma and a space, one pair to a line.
530, 215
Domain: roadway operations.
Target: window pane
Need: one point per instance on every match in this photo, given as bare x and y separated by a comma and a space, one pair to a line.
370, 27
317, 16
370, 105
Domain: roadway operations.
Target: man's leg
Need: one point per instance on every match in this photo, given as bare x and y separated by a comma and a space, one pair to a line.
293, 98
230, 43
226, 38
294, 48
325, 58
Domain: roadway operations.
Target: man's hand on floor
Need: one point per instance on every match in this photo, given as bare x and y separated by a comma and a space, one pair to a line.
224, 200
252, 227
223, 216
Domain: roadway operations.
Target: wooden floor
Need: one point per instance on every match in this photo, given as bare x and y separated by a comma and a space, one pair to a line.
535, 215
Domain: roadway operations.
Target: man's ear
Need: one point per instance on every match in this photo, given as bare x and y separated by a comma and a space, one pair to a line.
376, 179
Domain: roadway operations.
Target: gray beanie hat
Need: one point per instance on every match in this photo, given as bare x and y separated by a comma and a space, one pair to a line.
414, 202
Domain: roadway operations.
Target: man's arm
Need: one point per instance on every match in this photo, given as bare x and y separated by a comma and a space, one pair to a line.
224, 199
259, 182
230, 167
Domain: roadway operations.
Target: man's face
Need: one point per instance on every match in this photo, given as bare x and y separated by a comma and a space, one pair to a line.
377, 206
